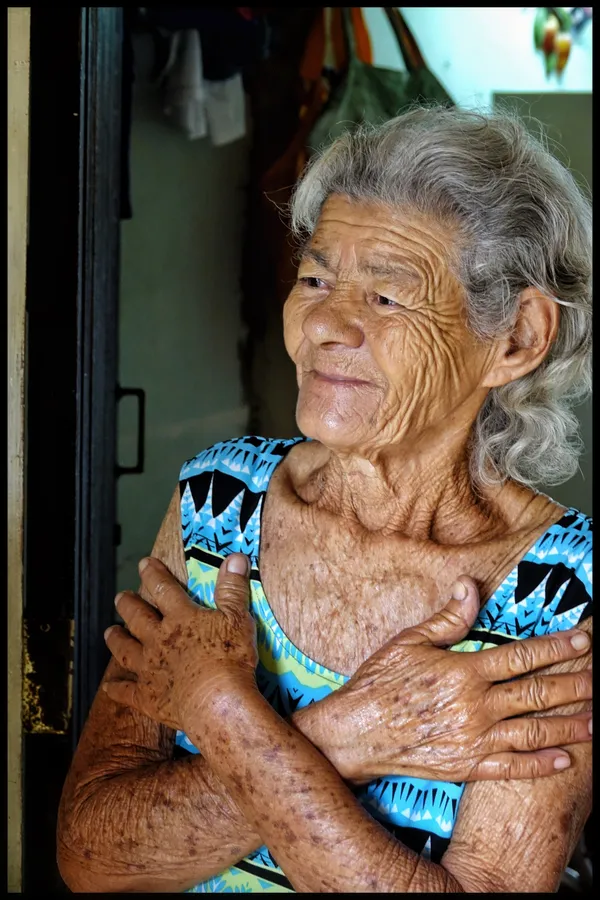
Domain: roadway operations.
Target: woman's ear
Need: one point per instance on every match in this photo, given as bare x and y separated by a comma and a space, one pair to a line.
529, 342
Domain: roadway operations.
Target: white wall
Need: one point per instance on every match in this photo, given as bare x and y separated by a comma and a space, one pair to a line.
476, 51
179, 318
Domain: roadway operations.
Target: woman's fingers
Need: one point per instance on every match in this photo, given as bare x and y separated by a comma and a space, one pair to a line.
140, 617
232, 589
509, 766
126, 650
522, 657
452, 623
538, 693
125, 692
165, 592
530, 733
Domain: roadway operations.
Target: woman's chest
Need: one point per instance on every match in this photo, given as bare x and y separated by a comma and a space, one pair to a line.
339, 595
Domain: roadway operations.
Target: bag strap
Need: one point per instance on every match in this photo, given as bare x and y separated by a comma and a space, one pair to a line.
364, 50
348, 29
412, 56
314, 52
413, 59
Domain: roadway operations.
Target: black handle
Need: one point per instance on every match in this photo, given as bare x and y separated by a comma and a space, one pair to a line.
141, 445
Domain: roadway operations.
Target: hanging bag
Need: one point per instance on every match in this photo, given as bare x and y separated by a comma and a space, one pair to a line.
373, 94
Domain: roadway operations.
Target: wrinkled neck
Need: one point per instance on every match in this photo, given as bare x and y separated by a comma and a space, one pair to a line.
425, 493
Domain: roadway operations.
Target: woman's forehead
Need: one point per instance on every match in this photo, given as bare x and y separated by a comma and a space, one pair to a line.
376, 237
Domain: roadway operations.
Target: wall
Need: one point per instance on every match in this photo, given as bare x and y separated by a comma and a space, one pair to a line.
479, 51
179, 321
18, 155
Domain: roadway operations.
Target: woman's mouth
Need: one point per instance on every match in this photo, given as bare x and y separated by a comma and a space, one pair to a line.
338, 379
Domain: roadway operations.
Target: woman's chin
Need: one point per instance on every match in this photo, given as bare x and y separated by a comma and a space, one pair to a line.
329, 427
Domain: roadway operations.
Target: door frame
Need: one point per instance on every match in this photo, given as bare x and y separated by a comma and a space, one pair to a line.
18, 150
97, 338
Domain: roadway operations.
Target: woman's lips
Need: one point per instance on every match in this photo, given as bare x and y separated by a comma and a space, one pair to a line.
338, 380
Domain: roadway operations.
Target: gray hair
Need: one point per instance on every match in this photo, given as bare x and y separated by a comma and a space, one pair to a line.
523, 222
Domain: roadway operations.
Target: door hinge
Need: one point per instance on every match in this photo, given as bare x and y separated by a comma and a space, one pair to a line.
47, 675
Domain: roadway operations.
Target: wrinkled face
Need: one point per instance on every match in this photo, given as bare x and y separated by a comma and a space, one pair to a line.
376, 327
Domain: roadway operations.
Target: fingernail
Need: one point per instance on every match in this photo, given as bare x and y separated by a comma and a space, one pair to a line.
118, 599
580, 641
590, 726
238, 564
107, 632
459, 591
562, 762
143, 563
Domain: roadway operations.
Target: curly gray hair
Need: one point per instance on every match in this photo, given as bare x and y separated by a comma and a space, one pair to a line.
524, 222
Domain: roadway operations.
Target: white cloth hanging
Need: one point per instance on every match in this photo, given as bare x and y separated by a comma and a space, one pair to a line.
197, 106
185, 92
226, 110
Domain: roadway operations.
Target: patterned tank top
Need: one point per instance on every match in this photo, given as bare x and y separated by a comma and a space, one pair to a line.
222, 495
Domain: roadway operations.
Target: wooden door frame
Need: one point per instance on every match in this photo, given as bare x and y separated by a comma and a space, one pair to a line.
18, 152
97, 375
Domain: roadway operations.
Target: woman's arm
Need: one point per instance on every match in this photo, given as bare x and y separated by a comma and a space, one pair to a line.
400, 714
520, 835
133, 818
195, 671
511, 835
314, 827
320, 835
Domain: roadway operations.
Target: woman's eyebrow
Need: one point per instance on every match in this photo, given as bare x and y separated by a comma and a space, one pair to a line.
388, 269
316, 256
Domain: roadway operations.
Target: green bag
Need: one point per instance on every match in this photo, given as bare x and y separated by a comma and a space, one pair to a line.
372, 94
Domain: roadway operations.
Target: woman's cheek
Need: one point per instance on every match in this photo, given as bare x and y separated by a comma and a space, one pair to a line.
293, 316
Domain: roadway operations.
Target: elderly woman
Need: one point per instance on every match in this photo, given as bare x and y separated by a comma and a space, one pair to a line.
302, 724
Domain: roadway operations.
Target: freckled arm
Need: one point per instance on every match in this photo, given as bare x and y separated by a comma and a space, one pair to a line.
315, 828
510, 835
521, 834
133, 818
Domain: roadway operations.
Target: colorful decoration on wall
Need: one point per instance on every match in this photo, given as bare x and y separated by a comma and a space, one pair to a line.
554, 30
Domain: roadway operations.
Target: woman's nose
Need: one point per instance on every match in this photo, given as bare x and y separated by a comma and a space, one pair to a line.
334, 321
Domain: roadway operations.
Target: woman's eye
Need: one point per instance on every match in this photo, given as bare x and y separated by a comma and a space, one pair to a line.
385, 301
312, 282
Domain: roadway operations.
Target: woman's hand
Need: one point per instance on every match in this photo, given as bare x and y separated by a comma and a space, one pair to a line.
416, 710
179, 652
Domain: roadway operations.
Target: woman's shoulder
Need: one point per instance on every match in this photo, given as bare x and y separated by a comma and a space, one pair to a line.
569, 541
562, 563
550, 589
250, 458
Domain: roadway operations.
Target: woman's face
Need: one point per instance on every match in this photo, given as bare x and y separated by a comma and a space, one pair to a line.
375, 325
